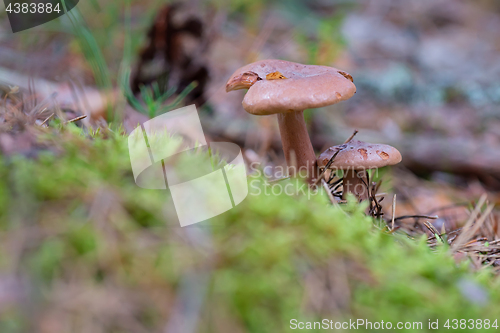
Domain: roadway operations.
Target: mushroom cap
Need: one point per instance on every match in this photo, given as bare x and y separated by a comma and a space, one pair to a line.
304, 86
360, 155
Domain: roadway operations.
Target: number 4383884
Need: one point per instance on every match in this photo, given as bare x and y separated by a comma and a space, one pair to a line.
32, 8
470, 324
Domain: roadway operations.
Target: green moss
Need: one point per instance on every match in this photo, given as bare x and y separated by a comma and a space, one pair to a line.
272, 256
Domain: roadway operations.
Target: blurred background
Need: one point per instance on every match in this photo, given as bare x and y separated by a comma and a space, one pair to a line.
84, 250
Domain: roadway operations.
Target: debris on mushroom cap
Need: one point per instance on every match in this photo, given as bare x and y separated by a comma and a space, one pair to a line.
346, 75
242, 81
275, 76
360, 155
306, 86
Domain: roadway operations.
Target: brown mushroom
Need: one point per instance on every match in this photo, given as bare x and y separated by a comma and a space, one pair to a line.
354, 158
287, 89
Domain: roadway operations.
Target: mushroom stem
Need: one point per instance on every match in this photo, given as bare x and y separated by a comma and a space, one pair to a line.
354, 184
294, 137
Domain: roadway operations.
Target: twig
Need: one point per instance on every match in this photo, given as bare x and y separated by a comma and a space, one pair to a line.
338, 181
393, 211
351, 137
332, 176
480, 222
433, 230
465, 235
430, 217
448, 207
336, 185
46, 119
325, 186
76, 119
277, 180
342, 147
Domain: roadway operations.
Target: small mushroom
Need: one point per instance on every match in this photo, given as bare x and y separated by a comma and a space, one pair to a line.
287, 89
356, 156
